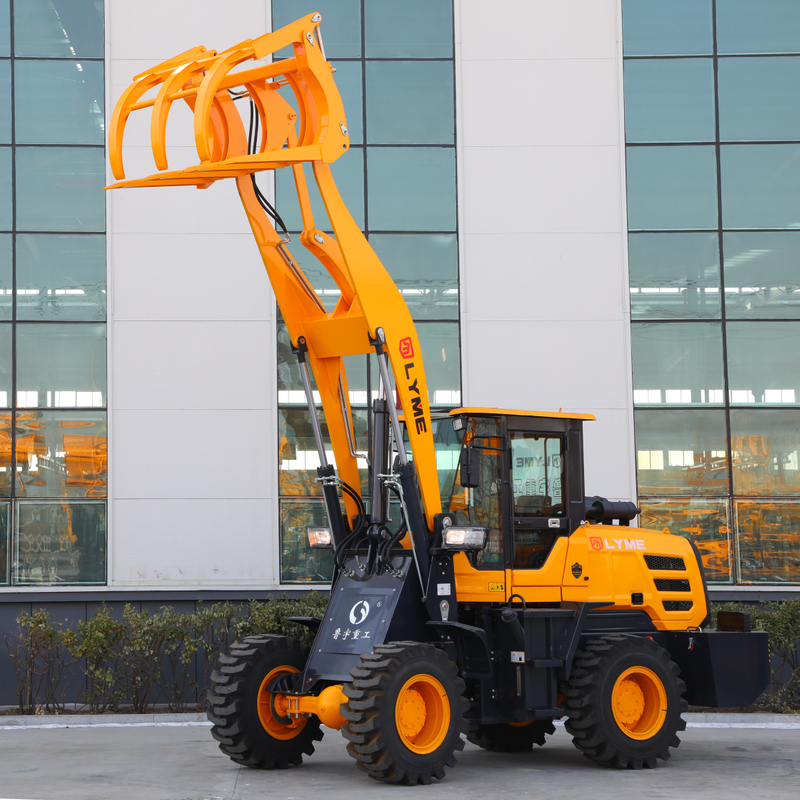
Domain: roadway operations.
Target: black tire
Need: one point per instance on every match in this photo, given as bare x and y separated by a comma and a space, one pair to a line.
233, 704
379, 748
510, 738
592, 724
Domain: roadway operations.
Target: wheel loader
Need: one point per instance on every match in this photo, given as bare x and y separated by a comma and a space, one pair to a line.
477, 589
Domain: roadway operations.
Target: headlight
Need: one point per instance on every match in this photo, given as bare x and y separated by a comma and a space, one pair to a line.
319, 538
461, 538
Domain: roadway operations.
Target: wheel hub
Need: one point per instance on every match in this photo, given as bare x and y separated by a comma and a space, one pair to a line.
629, 701
639, 703
422, 714
412, 713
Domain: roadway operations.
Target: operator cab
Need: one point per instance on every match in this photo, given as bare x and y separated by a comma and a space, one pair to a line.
519, 474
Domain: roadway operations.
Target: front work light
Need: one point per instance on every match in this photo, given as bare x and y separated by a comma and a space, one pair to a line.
319, 538
461, 538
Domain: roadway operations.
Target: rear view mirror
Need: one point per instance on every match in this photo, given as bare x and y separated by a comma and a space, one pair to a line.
470, 467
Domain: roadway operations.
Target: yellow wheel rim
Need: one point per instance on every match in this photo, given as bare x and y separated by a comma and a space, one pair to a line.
422, 714
273, 708
639, 703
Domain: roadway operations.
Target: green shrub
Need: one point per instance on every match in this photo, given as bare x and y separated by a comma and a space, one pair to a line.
272, 616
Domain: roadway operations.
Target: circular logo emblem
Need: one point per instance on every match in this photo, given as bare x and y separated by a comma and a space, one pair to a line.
359, 612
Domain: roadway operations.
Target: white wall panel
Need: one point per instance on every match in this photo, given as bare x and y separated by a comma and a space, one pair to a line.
200, 543
608, 449
564, 102
195, 455
193, 365
537, 29
544, 189
543, 276
179, 276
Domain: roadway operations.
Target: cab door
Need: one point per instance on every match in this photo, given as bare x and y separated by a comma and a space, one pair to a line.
538, 514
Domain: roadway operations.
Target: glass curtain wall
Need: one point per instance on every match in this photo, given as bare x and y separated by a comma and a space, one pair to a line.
52, 293
712, 115
395, 72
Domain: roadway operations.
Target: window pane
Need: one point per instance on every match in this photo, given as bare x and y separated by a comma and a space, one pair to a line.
5, 365
769, 547
677, 364
764, 362
768, 26
61, 454
61, 277
341, 24
762, 274
61, 365
348, 172
60, 543
5, 28
6, 469
6, 269
59, 102
63, 30
670, 100
761, 186
298, 451
425, 269
681, 452
674, 275
442, 354
411, 29
537, 474
60, 189
300, 563
410, 102
679, 27
412, 188
764, 447
5, 102
704, 522
672, 187
5, 512
5, 189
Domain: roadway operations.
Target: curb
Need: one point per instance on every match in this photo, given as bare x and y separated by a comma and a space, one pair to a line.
699, 720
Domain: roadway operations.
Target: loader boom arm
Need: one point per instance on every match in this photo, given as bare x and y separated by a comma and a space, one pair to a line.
371, 315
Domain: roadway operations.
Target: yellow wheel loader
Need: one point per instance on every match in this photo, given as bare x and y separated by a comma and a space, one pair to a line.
499, 597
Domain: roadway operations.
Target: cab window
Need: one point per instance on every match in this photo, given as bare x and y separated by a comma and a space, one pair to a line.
537, 473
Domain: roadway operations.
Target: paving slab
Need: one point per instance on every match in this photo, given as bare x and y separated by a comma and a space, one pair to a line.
173, 761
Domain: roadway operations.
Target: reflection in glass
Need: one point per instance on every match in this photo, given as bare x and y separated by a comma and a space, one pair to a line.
5, 513
5, 189
425, 269
669, 100
680, 27
672, 187
300, 563
769, 541
348, 172
5, 99
704, 522
674, 275
61, 277
61, 365
764, 452
411, 29
760, 186
59, 102
59, 29
681, 452
768, 26
60, 543
677, 363
5, 365
410, 102
60, 189
762, 274
764, 362
341, 24
759, 99
61, 454
412, 188
298, 452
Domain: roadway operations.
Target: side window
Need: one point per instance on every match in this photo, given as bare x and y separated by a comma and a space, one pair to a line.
537, 473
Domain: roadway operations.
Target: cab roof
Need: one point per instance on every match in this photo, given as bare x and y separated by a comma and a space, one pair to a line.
515, 413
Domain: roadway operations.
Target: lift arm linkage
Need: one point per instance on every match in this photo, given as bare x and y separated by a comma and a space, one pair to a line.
210, 82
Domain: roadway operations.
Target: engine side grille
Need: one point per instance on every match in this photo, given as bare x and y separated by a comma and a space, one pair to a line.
672, 585
665, 562
677, 605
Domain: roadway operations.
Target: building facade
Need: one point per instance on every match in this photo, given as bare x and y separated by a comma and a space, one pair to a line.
589, 205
